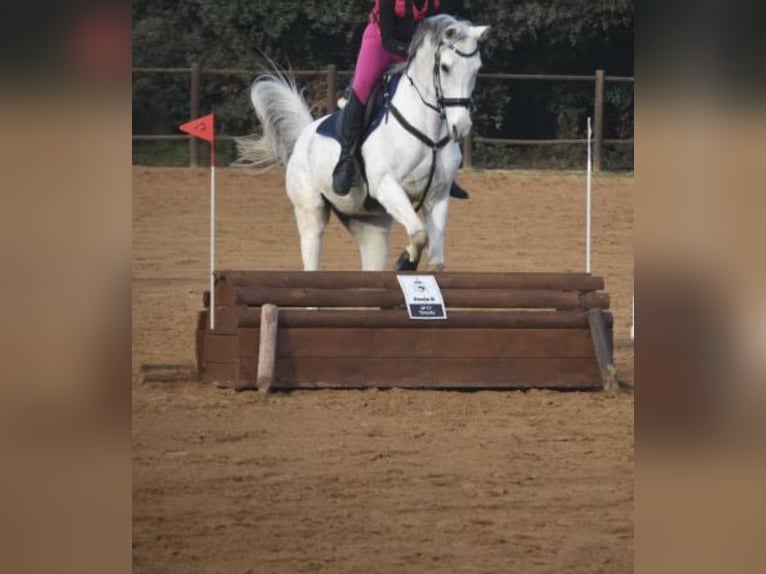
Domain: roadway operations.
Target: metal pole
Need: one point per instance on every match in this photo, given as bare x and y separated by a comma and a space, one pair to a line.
212, 244
588, 204
598, 115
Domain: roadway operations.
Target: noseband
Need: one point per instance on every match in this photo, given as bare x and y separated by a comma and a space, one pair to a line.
443, 103
450, 102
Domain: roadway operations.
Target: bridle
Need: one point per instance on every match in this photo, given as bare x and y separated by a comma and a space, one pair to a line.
443, 103
440, 108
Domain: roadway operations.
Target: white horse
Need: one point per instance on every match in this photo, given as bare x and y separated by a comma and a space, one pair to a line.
411, 159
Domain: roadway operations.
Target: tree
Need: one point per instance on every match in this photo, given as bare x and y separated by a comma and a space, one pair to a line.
531, 36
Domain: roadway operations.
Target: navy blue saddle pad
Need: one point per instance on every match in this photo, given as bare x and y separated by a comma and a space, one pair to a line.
330, 126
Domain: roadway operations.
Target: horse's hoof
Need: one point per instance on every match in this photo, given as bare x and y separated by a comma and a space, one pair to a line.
404, 263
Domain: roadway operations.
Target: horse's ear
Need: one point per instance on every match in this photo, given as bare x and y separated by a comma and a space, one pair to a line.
478, 32
450, 33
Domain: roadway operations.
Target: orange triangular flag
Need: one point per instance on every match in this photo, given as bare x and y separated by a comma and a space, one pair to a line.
202, 128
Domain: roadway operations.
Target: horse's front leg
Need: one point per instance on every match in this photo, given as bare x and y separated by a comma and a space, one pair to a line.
436, 222
394, 200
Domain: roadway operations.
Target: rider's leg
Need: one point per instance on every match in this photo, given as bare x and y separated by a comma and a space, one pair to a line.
351, 126
372, 61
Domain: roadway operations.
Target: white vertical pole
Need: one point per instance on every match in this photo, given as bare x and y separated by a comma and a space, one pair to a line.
212, 244
588, 216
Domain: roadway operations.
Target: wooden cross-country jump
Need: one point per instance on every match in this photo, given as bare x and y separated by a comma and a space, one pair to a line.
278, 330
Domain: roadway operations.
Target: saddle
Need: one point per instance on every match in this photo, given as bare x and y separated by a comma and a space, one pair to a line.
373, 114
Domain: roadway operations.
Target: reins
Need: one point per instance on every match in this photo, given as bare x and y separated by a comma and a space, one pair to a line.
435, 147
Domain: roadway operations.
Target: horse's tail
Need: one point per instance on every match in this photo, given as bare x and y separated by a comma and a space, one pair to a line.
283, 113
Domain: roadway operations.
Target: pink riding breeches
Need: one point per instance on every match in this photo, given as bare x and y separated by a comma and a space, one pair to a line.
372, 61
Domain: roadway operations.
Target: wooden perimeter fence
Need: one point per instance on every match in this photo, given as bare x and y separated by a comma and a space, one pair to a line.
331, 74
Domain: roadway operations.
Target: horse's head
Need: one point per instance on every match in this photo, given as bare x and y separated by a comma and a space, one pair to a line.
451, 48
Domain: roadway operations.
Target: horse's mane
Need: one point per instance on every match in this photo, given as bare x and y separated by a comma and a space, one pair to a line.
433, 28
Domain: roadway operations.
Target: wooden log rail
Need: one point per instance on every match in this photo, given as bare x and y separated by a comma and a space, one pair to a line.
453, 298
399, 319
387, 280
325, 329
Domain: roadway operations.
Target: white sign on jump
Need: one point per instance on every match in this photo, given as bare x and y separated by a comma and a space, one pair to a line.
423, 296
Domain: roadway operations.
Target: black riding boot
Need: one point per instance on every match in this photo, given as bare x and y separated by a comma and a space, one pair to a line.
458, 192
351, 126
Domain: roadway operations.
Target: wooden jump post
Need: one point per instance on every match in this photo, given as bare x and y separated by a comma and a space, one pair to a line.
280, 330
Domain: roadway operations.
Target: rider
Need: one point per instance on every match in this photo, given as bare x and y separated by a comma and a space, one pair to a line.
385, 42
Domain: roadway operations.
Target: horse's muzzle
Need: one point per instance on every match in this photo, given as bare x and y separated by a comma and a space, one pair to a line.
458, 132
459, 125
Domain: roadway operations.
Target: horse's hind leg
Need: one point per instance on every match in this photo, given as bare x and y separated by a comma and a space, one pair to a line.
372, 235
312, 221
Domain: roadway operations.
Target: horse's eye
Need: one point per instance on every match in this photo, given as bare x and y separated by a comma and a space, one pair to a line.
445, 68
